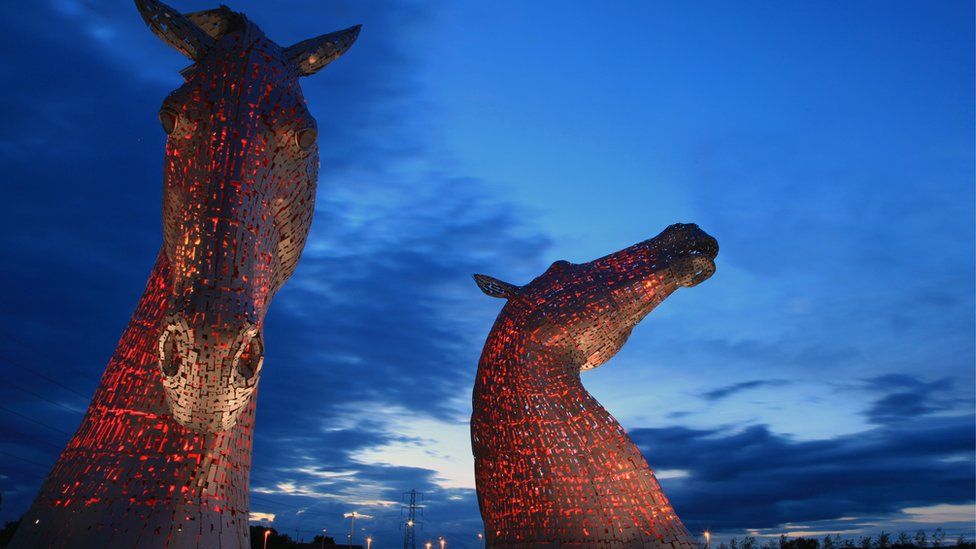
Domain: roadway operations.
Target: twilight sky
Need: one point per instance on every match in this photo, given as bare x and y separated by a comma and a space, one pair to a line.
821, 381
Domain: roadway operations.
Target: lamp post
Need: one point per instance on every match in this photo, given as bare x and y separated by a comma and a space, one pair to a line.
708, 539
352, 525
369, 542
443, 542
481, 540
323, 538
266, 534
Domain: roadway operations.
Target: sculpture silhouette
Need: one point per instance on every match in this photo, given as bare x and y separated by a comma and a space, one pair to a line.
553, 468
163, 454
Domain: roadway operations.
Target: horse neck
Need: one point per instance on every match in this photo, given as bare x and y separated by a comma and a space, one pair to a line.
128, 424
517, 379
543, 447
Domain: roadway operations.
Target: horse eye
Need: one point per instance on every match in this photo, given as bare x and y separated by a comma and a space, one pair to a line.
251, 358
306, 138
168, 118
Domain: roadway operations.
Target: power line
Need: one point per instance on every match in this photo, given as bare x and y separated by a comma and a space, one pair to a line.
21, 344
30, 441
12, 362
42, 397
32, 420
8, 454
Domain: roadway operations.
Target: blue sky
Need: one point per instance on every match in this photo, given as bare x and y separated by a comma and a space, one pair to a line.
821, 381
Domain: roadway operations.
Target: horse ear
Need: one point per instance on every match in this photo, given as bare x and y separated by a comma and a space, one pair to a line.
175, 29
494, 287
310, 56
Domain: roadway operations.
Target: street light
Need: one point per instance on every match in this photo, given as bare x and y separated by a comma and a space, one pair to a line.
323, 538
443, 542
266, 534
352, 525
481, 540
708, 539
369, 542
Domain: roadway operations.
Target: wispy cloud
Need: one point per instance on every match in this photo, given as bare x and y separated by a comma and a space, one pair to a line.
735, 388
256, 516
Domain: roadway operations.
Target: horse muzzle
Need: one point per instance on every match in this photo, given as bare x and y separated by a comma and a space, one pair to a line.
209, 376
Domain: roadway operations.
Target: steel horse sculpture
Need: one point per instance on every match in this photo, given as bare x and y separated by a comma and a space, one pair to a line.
553, 468
163, 455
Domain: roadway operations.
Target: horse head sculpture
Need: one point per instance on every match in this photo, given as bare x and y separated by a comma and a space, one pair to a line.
583, 314
162, 457
553, 468
238, 196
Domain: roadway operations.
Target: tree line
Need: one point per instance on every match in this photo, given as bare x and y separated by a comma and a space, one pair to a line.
883, 540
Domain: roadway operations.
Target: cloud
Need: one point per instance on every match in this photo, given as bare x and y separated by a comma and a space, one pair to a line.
261, 517
893, 398
729, 390
748, 477
941, 514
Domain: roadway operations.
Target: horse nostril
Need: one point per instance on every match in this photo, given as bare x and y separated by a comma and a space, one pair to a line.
251, 356
704, 268
711, 247
169, 354
705, 246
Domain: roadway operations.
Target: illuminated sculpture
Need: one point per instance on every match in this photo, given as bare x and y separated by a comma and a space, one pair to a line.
553, 468
163, 454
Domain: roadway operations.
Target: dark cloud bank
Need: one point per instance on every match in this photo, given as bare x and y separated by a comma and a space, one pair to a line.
753, 478
381, 312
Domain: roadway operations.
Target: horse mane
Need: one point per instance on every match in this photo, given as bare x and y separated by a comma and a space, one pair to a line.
218, 21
